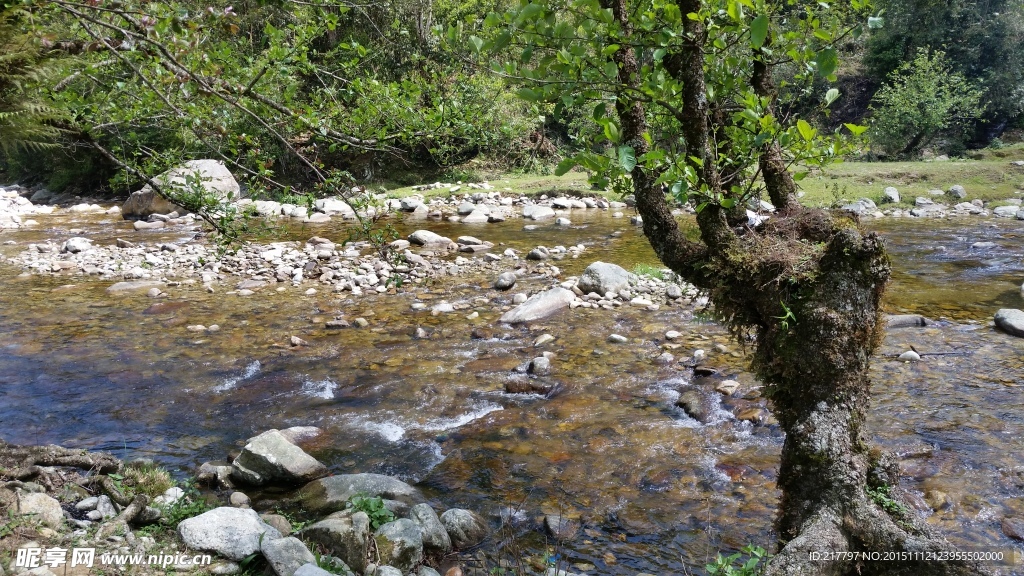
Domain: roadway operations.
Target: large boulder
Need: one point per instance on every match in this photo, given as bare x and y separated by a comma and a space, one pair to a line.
465, 528
602, 278
346, 536
332, 493
1011, 321
271, 459
39, 507
537, 212
216, 179
286, 555
429, 239
400, 544
233, 533
335, 206
539, 306
435, 537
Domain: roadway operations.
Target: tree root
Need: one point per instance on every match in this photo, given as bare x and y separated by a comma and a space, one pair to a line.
24, 462
120, 522
862, 526
106, 485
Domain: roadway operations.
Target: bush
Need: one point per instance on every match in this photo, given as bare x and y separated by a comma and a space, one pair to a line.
922, 100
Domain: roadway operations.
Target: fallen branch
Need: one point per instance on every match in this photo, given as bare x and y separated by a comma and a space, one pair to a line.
107, 486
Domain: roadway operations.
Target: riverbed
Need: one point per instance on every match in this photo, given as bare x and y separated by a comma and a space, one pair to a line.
655, 490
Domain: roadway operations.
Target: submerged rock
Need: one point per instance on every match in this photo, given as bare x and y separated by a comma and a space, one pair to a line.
539, 306
332, 493
1011, 321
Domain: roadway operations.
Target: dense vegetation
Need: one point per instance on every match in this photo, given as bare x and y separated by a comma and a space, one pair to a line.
322, 92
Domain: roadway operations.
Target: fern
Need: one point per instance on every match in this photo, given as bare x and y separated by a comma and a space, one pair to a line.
25, 122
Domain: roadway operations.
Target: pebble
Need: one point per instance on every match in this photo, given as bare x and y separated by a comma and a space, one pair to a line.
617, 339
362, 322
909, 356
672, 335
296, 341
543, 339
727, 387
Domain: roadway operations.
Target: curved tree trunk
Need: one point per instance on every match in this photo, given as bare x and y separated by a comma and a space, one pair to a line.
808, 284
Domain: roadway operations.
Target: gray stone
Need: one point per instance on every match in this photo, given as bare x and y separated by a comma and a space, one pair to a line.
384, 571
470, 241
505, 281
696, 404
560, 527
286, 555
1011, 321
217, 182
400, 544
905, 321
1005, 211
39, 507
957, 192
466, 208
105, 507
537, 212
331, 494
240, 500
427, 571
271, 458
435, 537
87, 503
465, 528
334, 206
233, 533
909, 356
346, 536
727, 387
428, 238
891, 195
617, 339
280, 523
539, 253
539, 306
673, 291
410, 204
76, 244
541, 366
563, 222
311, 569
1013, 528
602, 277
476, 217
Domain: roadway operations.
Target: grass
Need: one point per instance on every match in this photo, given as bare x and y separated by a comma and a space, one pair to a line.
649, 270
987, 175
147, 479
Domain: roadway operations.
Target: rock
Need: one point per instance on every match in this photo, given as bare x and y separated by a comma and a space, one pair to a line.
754, 415
41, 508
87, 504
1011, 321
476, 217
541, 366
696, 405
937, 499
905, 321
286, 555
170, 496
465, 528
891, 195
617, 339
672, 335
539, 253
560, 527
543, 339
334, 206
727, 387
983, 245
331, 494
271, 458
75, 245
909, 356
470, 241
539, 306
400, 544
427, 571
673, 291
241, 500
435, 537
563, 222
602, 278
537, 212
1005, 211
280, 523
1013, 528
217, 182
385, 571
956, 192
296, 341
231, 532
505, 281
311, 569
428, 238
344, 536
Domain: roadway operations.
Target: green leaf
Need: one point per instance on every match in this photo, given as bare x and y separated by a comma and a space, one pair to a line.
528, 94
855, 129
565, 165
530, 11
477, 43
758, 31
806, 130
728, 202
831, 96
827, 60
599, 111
735, 10
610, 49
659, 54
875, 22
627, 158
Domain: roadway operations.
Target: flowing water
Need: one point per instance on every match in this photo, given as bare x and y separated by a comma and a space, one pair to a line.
656, 491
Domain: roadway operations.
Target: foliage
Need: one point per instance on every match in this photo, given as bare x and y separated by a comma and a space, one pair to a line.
734, 565
923, 99
373, 507
649, 270
148, 479
26, 122
191, 504
983, 41
882, 495
568, 52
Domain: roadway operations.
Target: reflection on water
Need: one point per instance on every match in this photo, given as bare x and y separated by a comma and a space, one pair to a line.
82, 368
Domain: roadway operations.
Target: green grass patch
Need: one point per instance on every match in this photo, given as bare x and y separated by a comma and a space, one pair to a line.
649, 270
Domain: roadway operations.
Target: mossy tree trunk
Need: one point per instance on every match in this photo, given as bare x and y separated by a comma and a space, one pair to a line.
807, 285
